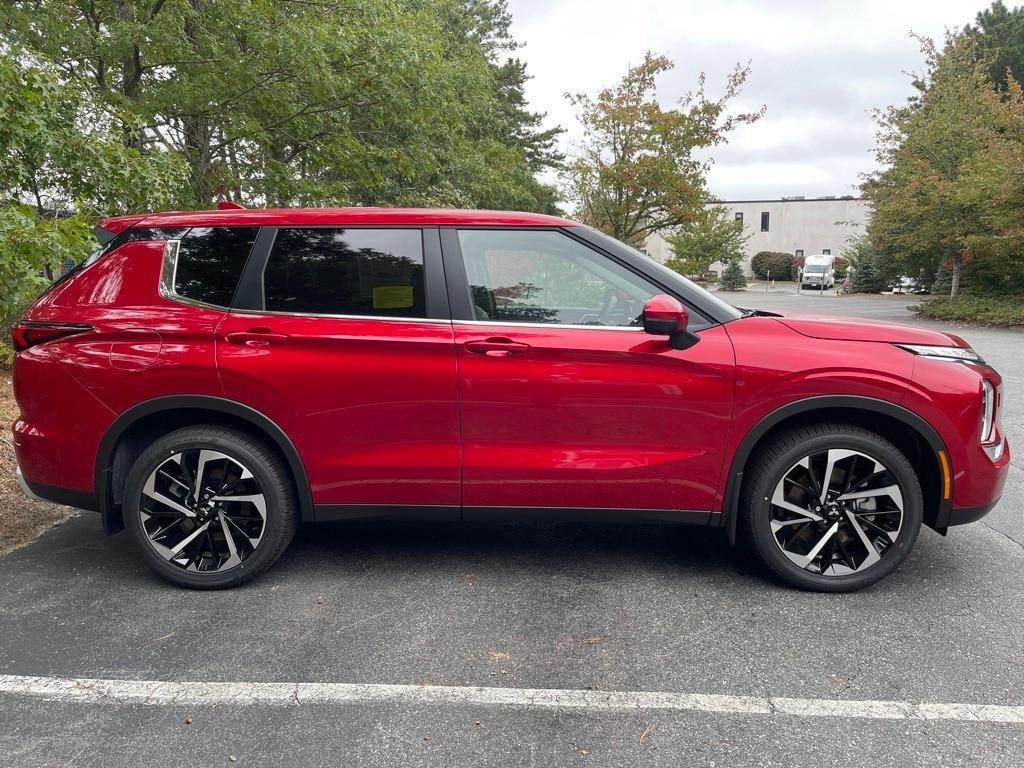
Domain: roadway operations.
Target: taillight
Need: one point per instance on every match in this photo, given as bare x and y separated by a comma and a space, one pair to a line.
28, 333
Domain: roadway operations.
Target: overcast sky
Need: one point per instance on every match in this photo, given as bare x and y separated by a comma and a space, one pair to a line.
819, 67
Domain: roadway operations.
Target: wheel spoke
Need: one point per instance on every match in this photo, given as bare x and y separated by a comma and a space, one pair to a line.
779, 500
834, 455
892, 491
804, 560
872, 553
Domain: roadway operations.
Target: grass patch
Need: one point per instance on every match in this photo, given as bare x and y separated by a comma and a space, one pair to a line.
1002, 311
21, 519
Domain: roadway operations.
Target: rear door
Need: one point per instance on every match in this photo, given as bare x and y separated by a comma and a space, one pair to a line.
565, 401
342, 336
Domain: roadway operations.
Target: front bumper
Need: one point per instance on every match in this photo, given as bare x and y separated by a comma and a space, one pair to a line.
965, 515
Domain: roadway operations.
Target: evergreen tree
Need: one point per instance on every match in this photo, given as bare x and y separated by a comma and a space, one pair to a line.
732, 278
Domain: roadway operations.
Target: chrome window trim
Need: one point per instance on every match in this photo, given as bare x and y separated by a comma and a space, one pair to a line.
435, 320
513, 323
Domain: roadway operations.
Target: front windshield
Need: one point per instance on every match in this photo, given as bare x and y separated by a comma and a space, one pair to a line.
814, 270
726, 309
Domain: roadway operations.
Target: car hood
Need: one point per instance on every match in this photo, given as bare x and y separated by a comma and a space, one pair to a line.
856, 329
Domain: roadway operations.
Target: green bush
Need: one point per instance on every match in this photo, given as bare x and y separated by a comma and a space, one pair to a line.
779, 264
732, 278
1005, 311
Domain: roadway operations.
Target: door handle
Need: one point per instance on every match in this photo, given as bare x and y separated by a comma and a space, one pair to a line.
256, 337
496, 346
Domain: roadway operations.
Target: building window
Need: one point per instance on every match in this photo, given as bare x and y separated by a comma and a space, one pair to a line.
799, 254
739, 216
826, 251
764, 221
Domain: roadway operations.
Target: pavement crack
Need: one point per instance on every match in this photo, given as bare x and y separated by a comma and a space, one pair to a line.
1004, 534
295, 695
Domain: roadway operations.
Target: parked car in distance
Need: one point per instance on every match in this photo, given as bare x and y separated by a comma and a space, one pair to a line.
209, 380
819, 272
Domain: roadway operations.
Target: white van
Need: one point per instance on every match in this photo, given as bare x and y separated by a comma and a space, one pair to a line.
818, 272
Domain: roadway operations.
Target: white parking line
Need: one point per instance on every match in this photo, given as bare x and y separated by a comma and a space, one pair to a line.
157, 692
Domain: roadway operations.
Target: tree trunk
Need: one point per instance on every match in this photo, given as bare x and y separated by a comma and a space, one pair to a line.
954, 287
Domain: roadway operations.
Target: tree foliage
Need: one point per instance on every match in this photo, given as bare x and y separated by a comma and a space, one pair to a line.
637, 170
712, 236
732, 278
778, 264
63, 164
871, 270
1000, 34
935, 151
340, 101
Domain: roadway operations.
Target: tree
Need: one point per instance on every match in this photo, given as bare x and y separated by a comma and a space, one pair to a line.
711, 237
1000, 34
732, 278
924, 211
869, 271
63, 164
341, 101
636, 170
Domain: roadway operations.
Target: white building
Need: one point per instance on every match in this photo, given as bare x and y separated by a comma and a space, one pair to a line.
798, 225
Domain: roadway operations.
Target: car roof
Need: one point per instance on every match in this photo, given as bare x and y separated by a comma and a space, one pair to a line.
334, 216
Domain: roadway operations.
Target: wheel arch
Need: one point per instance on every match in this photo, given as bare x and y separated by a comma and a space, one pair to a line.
913, 435
123, 439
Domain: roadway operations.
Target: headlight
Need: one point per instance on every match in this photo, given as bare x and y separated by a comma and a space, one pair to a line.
964, 354
988, 410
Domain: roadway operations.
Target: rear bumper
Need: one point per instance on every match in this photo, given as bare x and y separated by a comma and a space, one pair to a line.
68, 497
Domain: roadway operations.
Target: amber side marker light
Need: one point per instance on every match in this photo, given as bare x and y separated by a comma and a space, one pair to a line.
947, 477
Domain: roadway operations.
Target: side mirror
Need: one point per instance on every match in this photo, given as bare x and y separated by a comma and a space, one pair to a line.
666, 316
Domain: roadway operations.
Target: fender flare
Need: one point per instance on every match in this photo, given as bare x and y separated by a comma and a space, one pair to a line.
114, 433
734, 480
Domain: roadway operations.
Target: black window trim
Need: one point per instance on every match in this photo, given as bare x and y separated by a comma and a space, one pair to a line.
458, 283
249, 298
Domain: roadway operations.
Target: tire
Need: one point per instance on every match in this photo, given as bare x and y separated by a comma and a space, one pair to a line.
258, 511
783, 537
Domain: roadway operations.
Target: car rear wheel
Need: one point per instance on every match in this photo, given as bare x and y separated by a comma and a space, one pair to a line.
209, 507
831, 507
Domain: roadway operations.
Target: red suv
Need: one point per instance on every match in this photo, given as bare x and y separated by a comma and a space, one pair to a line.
210, 379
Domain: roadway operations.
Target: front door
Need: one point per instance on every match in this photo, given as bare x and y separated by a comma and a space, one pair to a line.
565, 402
350, 352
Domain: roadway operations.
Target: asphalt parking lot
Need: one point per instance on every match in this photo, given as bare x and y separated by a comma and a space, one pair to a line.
417, 645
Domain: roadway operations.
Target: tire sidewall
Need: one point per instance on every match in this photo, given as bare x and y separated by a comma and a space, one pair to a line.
913, 508
276, 501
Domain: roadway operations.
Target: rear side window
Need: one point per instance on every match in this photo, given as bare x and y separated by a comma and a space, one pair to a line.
372, 272
210, 261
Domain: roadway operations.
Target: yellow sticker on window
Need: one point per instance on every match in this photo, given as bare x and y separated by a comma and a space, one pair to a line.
392, 297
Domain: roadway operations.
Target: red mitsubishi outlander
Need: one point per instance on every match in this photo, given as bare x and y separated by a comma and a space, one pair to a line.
209, 380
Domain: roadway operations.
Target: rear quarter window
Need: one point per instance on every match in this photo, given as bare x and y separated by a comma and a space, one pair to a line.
210, 261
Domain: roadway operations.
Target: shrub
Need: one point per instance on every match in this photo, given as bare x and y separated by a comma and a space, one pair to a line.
1005, 311
732, 278
779, 264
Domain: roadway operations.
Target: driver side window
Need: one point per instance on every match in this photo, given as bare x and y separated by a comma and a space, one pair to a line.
541, 276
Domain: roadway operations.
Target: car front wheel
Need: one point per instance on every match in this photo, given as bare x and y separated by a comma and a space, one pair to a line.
831, 507
209, 507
